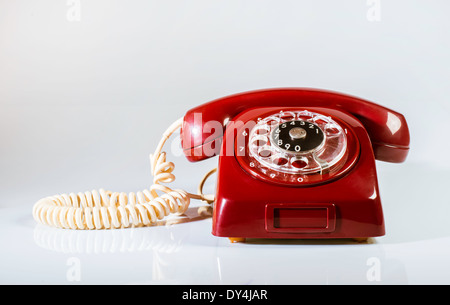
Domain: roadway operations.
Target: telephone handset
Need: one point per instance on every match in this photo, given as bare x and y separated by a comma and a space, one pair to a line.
293, 163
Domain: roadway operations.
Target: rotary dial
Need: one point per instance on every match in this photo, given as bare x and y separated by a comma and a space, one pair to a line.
296, 142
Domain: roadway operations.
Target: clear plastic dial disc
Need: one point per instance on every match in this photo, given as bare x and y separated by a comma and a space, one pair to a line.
297, 142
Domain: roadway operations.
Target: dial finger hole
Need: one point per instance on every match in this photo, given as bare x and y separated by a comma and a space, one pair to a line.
260, 140
332, 130
287, 116
265, 151
305, 115
272, 121
262, 130
280, 160
320, 121
299, 162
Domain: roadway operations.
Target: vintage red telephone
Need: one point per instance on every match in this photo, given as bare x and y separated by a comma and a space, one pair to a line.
293, 163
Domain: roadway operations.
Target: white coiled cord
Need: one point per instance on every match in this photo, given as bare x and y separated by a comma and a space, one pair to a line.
100, 209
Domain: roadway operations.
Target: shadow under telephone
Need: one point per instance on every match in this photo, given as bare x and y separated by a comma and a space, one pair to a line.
293, 163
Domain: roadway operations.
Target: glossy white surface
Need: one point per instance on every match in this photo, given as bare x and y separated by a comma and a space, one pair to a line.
83, 102
414, 251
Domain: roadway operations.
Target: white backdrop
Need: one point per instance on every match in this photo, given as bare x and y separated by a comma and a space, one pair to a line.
88, 87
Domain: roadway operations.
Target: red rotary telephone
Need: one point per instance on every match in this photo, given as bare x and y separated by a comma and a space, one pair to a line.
296, 163
293, 163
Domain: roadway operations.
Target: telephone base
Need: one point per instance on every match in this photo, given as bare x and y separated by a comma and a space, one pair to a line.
359, 240
348, 207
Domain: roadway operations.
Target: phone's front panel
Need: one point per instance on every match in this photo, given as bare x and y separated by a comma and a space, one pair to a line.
297, 173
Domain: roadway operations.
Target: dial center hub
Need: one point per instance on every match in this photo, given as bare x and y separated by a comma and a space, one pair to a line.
297, 133
298, 136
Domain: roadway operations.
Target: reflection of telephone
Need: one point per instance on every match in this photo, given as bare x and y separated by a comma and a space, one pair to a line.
293, 163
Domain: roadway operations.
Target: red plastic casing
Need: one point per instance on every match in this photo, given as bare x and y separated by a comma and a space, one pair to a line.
346, 205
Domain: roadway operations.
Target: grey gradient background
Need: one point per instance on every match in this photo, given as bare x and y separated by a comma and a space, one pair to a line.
83, 103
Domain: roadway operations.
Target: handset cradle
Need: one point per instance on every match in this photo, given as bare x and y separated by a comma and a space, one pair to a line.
387, 129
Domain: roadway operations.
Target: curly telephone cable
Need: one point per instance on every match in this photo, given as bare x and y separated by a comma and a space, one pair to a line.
100, 209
